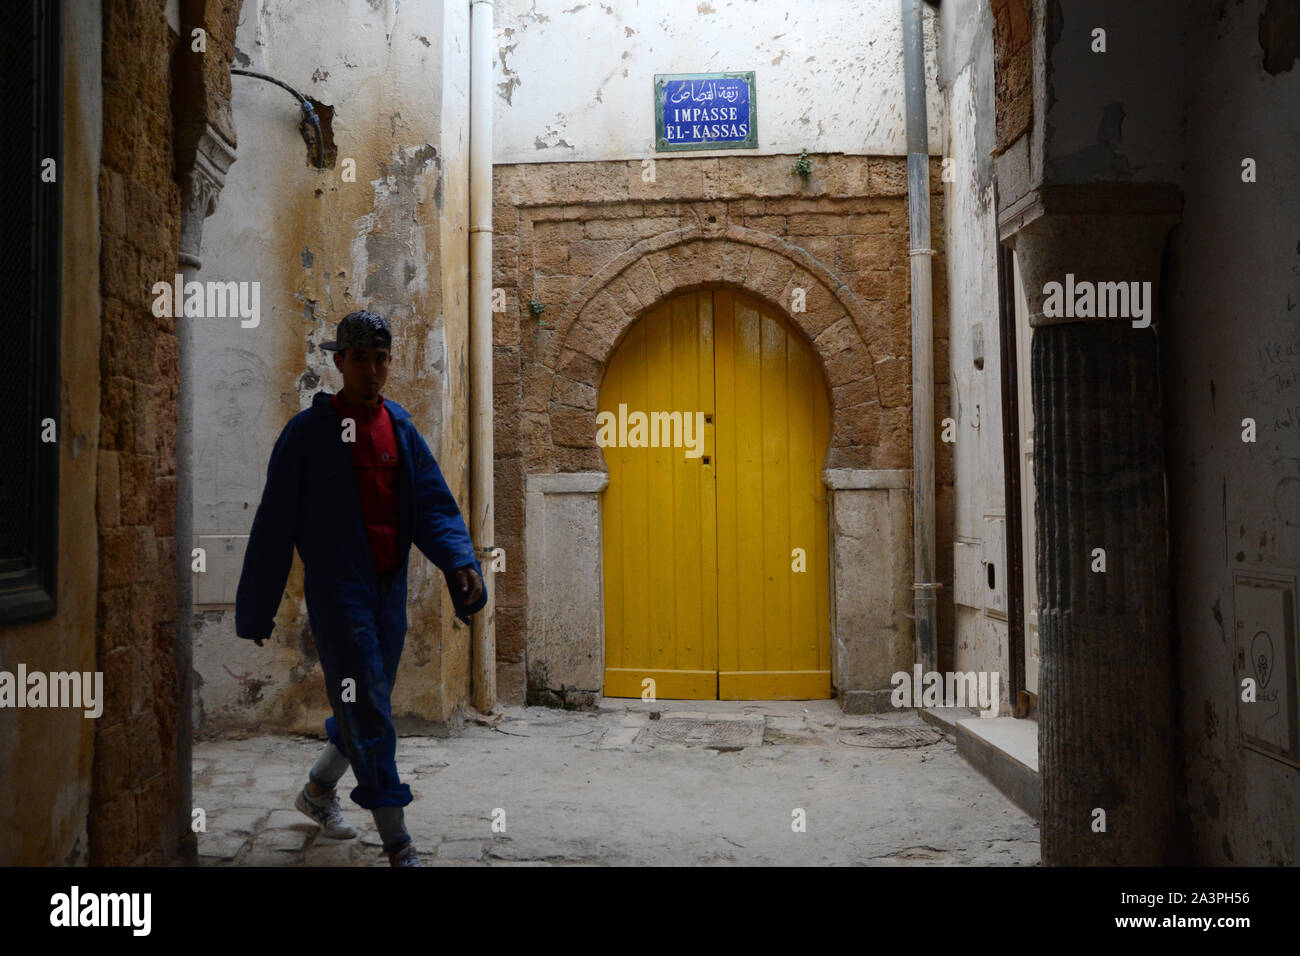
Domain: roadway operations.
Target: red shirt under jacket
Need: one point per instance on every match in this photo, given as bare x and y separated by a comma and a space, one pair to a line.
374, 461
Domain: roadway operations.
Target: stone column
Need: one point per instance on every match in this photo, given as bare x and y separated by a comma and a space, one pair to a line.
200, 187
1106, 733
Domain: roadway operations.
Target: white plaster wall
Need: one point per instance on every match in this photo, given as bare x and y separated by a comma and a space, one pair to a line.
320, 247
310, 253
973, 317
966, 70
575, 80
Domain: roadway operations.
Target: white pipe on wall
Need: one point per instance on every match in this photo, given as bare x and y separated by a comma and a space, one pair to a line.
918, 207
483, 689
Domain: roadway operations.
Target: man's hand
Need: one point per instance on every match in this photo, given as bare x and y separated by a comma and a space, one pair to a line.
469, 584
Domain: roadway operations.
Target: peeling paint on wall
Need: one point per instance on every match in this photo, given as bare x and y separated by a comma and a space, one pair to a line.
321, 245
842, 96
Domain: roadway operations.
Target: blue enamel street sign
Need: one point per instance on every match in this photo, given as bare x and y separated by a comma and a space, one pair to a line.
705, 111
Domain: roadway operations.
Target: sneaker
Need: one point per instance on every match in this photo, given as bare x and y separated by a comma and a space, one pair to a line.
329, 816
406, 856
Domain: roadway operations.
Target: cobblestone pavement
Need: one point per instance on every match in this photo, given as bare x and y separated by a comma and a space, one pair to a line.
701, 783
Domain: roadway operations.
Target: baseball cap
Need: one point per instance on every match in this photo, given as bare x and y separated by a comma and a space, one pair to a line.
361, 330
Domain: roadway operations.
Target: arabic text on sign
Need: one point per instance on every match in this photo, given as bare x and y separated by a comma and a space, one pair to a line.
693, 110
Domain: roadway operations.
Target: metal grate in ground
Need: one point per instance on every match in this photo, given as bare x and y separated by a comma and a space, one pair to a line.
891, 738
705, 730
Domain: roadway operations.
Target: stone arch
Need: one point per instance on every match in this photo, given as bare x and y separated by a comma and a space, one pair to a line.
594, 320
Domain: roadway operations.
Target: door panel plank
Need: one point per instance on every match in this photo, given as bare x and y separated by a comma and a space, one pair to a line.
614, 531
774, 652
802, 508
725, 468
661, 543
636, 641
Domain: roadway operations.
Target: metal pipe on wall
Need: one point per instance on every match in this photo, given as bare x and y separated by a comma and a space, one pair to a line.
483, 689
918, 207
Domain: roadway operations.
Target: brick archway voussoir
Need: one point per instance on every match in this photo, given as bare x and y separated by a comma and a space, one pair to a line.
832, 319
599, 327
735, 258
637, 280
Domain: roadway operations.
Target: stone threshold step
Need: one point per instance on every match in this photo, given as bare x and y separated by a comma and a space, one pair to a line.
1003, 749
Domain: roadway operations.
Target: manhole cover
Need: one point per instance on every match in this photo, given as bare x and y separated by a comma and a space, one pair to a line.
706, 732
892, 737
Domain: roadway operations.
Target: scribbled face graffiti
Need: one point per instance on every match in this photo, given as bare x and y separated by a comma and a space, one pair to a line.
235, 387
1261, 651
229, 460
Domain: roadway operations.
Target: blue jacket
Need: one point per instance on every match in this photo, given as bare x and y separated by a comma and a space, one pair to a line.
311, 501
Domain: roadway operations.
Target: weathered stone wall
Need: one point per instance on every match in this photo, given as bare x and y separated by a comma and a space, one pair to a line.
1012, 70
597, 245
202, 77
133, 813
135, 784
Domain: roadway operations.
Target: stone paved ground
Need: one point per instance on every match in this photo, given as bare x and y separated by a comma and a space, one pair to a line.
607, 788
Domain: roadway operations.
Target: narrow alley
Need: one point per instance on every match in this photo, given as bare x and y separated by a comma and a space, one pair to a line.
706, 783
666, 436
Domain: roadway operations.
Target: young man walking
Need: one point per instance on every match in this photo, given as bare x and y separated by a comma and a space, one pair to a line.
353, 485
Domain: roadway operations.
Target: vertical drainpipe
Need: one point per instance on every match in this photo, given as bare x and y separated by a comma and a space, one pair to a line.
483, 687
918, 206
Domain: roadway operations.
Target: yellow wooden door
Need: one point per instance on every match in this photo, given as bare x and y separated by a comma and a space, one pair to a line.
705, 592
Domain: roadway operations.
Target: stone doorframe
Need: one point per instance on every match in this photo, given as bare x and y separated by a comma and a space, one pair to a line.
869, 502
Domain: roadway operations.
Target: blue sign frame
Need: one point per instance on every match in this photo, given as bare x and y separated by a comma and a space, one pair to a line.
705, 111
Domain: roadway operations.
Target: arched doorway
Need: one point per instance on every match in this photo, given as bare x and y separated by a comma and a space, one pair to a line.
715, 543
